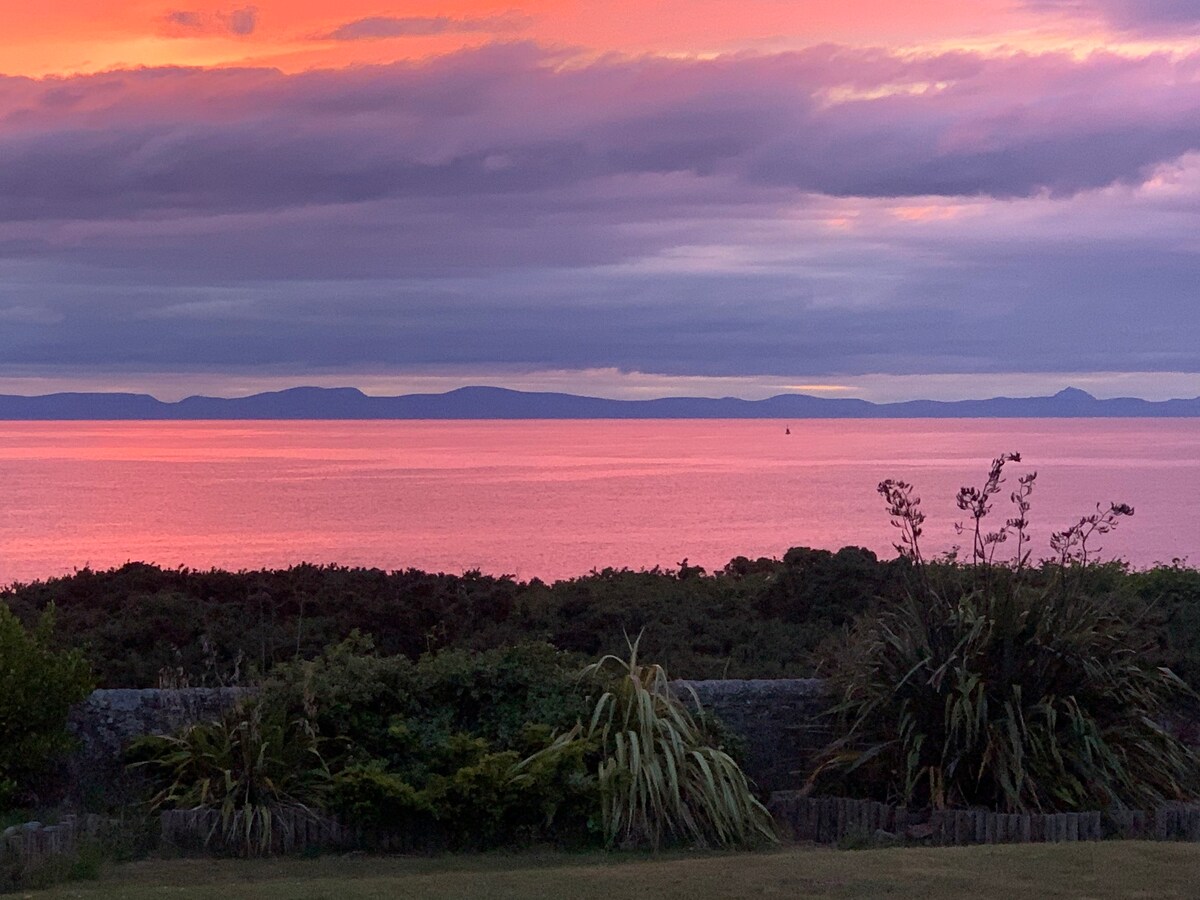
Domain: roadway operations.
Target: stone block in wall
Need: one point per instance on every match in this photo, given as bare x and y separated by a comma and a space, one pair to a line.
781, 723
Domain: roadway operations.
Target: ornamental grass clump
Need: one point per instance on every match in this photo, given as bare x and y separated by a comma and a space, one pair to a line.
1003, 685
259, 770
660, 777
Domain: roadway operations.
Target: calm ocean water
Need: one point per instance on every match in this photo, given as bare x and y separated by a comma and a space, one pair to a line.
555, 499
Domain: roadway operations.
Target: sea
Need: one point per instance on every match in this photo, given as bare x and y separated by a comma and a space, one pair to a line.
558, 499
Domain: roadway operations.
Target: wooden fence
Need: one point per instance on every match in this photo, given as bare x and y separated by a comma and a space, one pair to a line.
31, 844
1170, 822
828, 820
291, 831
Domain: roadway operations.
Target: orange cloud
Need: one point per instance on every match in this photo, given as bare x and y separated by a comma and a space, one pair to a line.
91, 35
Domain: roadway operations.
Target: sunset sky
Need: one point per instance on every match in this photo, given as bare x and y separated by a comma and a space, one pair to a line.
878, 199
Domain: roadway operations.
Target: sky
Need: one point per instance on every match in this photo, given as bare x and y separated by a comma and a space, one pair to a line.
889, 200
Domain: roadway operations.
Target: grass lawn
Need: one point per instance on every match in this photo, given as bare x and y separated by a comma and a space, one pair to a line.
1108, 870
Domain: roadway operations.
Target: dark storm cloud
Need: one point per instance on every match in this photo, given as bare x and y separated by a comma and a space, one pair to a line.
380, 27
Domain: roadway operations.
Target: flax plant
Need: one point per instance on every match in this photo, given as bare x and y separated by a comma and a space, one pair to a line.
993, 685
659, 776
260, 772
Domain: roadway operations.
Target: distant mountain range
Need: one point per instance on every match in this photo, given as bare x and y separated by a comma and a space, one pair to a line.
499, 403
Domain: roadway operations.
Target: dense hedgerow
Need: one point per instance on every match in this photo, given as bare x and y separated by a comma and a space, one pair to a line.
760, 618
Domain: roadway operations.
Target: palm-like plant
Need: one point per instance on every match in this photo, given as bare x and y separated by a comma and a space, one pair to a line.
250, 765
1036, 701
659, 776
993, 687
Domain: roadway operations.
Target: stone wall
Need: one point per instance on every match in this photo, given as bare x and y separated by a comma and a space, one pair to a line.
105, 723
778, 720
108, 720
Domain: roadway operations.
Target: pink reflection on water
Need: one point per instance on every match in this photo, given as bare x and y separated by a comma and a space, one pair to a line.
554, 499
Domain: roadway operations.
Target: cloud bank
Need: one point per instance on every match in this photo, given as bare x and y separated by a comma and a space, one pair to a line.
832, 210
508, 121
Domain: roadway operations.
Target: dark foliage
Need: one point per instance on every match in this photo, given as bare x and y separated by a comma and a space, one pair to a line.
140, 624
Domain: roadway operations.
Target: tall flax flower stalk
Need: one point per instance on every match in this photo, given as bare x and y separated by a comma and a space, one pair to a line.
1001, 684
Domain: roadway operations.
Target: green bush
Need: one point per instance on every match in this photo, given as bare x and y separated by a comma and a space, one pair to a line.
374, 707
355, 699
440, 757
495, 694
429, 748
486, 801
999, 686
38, 686
372, 796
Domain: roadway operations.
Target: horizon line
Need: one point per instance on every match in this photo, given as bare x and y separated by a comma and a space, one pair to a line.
812, 392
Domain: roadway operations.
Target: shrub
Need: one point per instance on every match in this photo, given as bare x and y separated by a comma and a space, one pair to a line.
658, 775
251, 765
374, 707
486, 801
495, 694
428, 749
354, 698
372, 796
38, 686
999, 686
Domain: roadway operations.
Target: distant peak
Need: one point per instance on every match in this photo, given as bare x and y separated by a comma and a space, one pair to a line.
1073, 393
320, 391
481, 389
